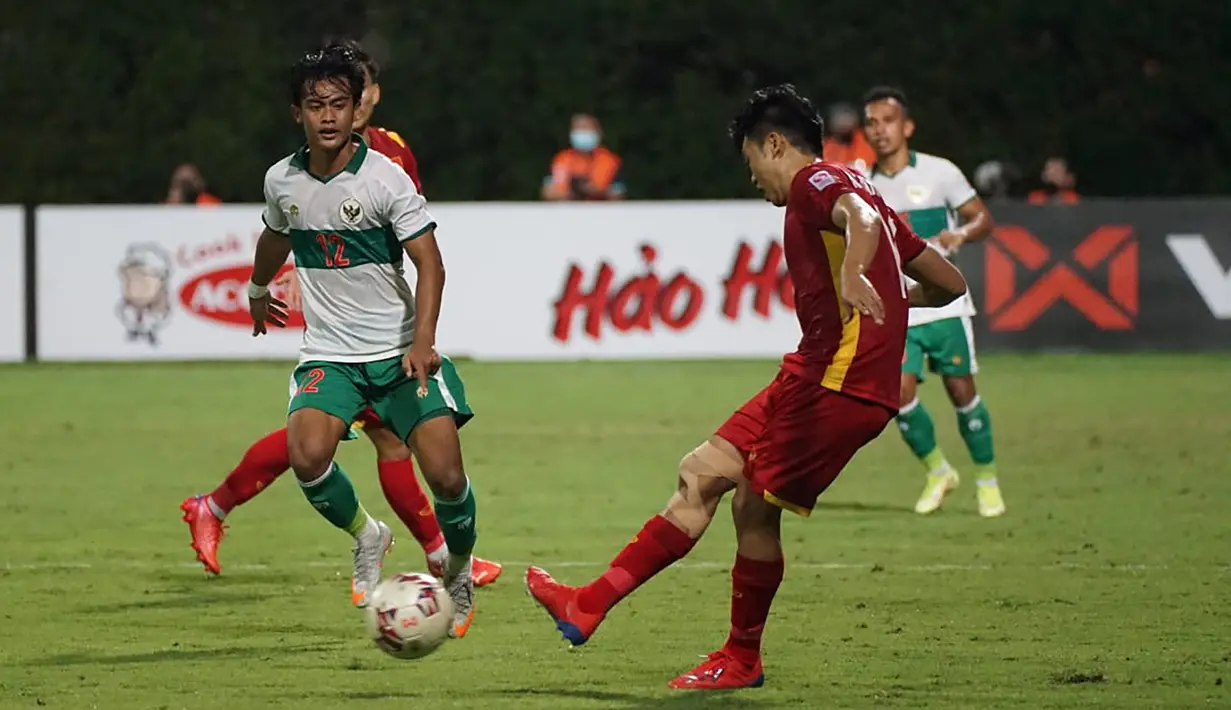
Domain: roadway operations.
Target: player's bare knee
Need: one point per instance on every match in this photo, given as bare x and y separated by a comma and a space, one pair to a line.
439, 451
449, 483
909, 388
961, 389
309, 458
388, 446
752, 511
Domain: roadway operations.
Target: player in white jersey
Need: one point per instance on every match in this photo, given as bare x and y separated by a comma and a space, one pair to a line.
934, 196
347, 213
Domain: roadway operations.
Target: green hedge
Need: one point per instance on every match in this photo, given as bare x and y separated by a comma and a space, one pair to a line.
110, 96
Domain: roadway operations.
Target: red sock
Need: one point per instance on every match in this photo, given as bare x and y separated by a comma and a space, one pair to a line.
753, 585
261, 465
406, 497
652, 550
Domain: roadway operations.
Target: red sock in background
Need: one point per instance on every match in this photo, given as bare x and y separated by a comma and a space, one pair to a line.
406, 497
652, 550
753, 585
261, 465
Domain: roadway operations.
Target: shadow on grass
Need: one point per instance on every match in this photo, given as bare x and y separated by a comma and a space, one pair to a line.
677, 700
177, 600
857, 507
85, 658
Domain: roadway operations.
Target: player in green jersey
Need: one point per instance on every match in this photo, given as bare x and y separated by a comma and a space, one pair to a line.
350, 216
934, 196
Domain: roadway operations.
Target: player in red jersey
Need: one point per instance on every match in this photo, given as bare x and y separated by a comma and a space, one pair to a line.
846, 252
267, 459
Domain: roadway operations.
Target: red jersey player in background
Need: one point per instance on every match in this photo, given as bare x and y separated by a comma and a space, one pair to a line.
267, 459
846, 252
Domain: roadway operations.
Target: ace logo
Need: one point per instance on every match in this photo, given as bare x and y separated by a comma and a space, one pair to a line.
1014, 248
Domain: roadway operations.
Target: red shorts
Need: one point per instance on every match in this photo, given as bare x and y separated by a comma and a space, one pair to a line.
796, 437
367, 419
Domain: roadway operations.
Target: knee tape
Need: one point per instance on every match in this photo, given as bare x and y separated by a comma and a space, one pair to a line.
708, 460
699, 471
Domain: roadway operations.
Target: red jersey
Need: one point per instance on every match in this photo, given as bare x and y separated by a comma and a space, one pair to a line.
855, 357
392, 146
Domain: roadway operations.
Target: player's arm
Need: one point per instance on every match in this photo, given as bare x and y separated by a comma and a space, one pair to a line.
424, 253
272, 249
938, 282
976, 222
416, 230
974, 219
862, 226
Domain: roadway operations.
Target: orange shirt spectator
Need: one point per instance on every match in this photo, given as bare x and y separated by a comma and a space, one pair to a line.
1059, 184
188, 188
585, 170
845, 142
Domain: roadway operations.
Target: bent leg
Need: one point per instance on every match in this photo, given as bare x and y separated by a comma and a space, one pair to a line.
398, 482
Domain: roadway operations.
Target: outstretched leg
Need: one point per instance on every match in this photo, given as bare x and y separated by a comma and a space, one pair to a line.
260, 466
705, 476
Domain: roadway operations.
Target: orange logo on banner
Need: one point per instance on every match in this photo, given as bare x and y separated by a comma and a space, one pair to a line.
1009, 310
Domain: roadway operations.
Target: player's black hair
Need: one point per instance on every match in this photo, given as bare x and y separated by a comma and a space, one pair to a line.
779, 109
334, 64
353, 45
885, 93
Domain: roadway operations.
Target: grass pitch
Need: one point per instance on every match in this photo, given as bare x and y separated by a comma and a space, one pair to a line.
1105, 585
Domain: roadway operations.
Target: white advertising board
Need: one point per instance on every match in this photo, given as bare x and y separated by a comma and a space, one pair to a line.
618, 280
524, 281
12, 285
149, 283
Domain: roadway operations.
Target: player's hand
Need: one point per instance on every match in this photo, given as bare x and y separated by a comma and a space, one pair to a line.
266, 310
289, 282
950, 241
420, 362
860, 297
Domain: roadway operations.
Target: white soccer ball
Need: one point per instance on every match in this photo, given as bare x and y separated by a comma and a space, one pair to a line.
408, 615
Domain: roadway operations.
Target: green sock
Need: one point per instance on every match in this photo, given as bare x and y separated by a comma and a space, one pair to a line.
335, 499
975, 424
457, 522
920, 435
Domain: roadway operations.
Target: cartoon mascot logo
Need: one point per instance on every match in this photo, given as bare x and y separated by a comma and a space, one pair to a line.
145, 299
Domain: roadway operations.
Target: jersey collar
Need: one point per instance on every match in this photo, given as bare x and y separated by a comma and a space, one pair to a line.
910, 163
300, 159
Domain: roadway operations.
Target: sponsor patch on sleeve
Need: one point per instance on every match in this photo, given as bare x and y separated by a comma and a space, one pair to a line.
821, 179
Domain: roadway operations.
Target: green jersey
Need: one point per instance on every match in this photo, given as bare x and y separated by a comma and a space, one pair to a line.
347, 232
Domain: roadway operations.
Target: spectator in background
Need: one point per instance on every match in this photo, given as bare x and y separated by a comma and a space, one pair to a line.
585, 170
188, 188
1059, 185
845, 142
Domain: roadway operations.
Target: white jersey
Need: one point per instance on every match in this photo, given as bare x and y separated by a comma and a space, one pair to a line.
347, 232
927, 194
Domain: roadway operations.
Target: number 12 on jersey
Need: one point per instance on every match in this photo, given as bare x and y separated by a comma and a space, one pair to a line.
333, 246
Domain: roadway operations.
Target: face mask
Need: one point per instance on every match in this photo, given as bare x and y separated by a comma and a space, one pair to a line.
583, 139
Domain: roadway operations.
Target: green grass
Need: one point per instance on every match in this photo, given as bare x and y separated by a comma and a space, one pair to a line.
1105, 585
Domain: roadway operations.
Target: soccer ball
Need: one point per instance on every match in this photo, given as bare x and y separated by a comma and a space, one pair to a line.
408, 615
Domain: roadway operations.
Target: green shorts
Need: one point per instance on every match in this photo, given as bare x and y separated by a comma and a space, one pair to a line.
948, 346
344, 389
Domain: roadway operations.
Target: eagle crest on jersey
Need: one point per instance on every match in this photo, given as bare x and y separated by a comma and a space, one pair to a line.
351, 211
347, 236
